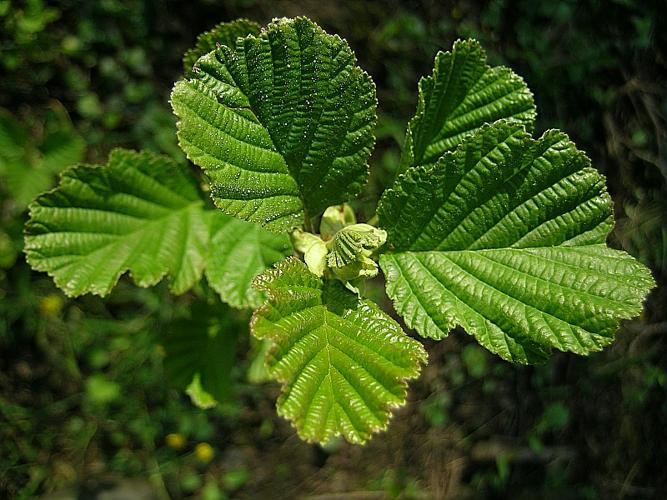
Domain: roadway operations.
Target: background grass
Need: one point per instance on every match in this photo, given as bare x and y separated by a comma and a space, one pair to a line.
85, 407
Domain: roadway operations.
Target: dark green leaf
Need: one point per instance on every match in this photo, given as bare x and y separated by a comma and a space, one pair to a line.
282, 124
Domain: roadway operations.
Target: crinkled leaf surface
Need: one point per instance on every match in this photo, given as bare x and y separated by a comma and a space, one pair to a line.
144, 213
342, 361
282, 124
221, 34
140, 213
506, 237
461, 95
239, 251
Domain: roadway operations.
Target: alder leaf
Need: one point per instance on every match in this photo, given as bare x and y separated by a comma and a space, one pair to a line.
140, 213
282, 124
221, 34
238, 252
506, 237
461, 95
342, 361
145, 214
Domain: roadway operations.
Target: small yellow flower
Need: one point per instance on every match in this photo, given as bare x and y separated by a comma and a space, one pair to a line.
175, 441
204, 452
51, 305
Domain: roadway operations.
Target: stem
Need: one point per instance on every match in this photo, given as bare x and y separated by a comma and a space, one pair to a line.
373, 221
308, 225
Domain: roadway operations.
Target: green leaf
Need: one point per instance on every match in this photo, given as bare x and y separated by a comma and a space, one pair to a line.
314, 251
463, 94
238, 252
282, 124
199, 397
200, 352
145, 214
257, 371
222, 34
343, 362
140, 213
24, 181
506, 237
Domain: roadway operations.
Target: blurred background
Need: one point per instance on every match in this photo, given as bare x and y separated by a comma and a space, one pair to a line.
87, 405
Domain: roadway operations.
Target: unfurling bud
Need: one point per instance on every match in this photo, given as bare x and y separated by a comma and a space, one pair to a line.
350, 251
334, 219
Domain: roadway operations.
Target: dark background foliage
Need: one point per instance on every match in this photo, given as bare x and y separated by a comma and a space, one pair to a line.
85, 406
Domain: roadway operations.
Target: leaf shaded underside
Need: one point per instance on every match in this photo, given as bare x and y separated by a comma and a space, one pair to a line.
239, 251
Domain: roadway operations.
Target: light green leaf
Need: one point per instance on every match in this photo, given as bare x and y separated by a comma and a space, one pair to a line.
100, 390
506, 237
144, 213
281, 124
200, 352
463, 94
223, 34
199, 397
343, 362
140, 213
314, 251
24, 181
238, 252
257, 371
